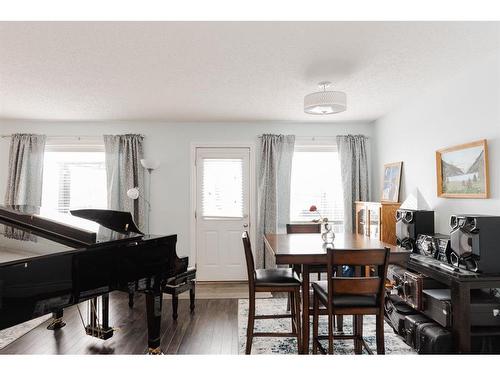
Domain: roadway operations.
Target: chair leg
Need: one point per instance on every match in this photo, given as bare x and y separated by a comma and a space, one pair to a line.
330, 334
298, 319
191, 297
340, 324
358, 333
291, 301
380, 334
315, 323
251, 321
175, 304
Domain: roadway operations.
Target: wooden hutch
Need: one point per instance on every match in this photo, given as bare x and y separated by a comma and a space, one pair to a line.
377, 220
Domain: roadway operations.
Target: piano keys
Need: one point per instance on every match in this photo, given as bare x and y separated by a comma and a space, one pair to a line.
50, 261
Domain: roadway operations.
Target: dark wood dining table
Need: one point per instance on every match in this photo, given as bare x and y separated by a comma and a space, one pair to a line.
308, 249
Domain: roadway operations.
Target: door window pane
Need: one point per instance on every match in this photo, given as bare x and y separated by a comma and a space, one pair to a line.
222, 189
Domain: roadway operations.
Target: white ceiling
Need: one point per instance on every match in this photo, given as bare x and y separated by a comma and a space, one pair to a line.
225, 71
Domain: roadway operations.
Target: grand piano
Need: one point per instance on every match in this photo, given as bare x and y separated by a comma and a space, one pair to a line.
50, 261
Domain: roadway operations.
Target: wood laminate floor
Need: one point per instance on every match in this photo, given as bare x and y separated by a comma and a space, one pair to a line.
211, 329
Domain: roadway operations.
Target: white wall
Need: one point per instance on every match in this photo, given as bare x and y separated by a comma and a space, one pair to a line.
171, 144
460, 110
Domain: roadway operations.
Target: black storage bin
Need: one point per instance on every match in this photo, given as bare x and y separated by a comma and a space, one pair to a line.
437, 305
396, 311
411, 324
432, 338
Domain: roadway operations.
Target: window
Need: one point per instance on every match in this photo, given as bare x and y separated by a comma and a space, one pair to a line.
74, 175
222, 190
316, 180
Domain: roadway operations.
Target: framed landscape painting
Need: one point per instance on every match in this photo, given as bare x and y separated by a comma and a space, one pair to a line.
392, 180
462, 171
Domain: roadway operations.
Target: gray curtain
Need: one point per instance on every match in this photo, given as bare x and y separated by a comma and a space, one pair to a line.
124, 171
354, 170
24, 183
273, 192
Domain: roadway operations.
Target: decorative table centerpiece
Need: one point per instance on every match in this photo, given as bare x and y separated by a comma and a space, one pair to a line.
327, 234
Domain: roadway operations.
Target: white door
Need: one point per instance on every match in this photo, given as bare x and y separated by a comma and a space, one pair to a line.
222, 212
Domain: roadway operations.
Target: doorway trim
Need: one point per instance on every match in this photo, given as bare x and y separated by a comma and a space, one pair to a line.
193, 256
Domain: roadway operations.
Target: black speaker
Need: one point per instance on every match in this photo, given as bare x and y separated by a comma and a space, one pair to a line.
411, 223
475, 244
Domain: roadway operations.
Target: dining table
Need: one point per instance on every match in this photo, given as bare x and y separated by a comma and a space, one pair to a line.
305, 250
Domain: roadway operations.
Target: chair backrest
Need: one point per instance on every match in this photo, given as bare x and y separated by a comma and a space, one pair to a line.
249, 258
303, 228
358, 285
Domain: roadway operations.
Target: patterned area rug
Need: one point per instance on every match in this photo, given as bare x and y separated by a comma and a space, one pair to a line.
11, 334
287, 345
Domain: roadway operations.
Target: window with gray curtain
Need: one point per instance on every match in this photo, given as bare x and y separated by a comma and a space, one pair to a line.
273, 194
124, 171
354, 171
25, 175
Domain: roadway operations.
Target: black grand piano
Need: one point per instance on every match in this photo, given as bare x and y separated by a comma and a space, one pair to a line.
51, 261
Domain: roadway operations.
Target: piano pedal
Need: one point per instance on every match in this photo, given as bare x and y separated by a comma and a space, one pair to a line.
155, 351
99, 332
57, 320
56, 323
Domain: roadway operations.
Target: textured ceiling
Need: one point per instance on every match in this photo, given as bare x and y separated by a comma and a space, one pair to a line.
225, 71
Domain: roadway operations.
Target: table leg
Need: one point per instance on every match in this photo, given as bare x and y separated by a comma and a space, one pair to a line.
305, 309
460, 300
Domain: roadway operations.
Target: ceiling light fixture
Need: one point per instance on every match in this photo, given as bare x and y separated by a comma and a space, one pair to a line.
325, 102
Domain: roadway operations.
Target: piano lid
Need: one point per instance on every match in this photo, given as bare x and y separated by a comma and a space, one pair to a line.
76, 229
18, 244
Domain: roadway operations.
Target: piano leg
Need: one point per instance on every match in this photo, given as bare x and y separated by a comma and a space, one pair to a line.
175, 304
191, 296
153, 311
57, 320
131, 290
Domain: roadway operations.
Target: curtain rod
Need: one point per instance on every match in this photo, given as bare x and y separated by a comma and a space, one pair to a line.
314, 137
58, 136
67, 136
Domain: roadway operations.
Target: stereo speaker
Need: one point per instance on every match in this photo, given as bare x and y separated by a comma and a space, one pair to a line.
475, 244
411, 223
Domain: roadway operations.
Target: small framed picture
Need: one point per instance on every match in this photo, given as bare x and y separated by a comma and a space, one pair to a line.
462, 171
392, 181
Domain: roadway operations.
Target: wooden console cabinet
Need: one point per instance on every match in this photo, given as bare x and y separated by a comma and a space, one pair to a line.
377, 220
461, 284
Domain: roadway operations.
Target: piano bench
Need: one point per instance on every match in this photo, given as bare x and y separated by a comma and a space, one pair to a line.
174, 286
179, 284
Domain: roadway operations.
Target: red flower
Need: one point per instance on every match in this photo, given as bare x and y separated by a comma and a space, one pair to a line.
313, 208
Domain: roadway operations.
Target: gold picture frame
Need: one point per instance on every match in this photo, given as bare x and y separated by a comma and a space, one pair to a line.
391, 182
462, 171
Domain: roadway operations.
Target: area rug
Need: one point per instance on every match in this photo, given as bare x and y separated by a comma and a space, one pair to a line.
9, 335
288, 345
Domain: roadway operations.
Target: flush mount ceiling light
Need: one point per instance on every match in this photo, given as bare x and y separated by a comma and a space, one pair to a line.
325, 102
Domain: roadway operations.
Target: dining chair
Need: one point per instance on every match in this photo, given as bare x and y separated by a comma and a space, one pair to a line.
271, 280
307, 228
317, 269
357, 296
303, 228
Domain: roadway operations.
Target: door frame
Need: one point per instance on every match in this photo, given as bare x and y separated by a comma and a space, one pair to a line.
252, 197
